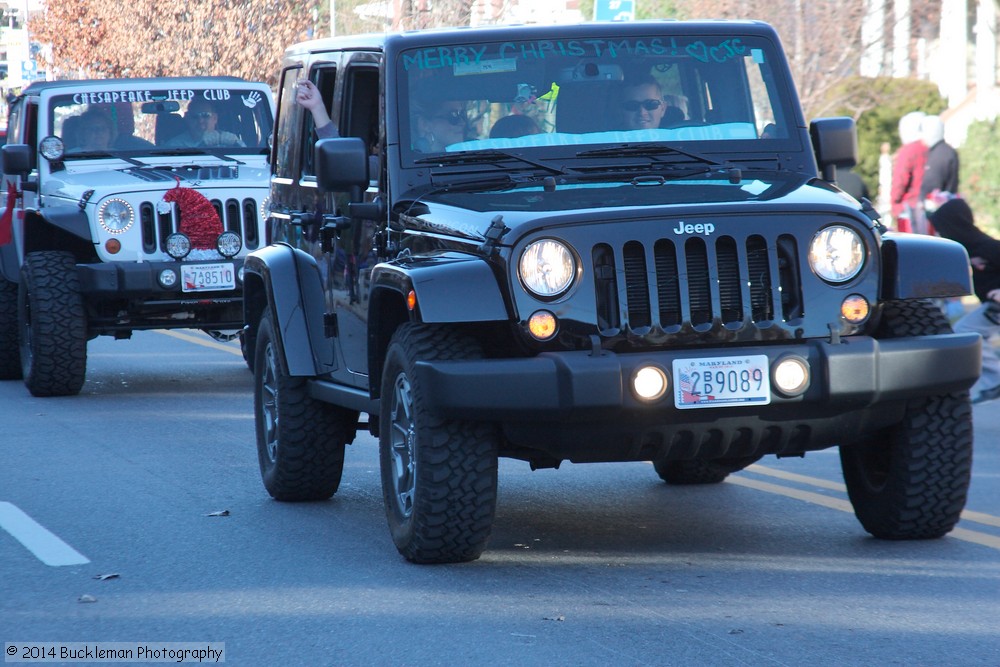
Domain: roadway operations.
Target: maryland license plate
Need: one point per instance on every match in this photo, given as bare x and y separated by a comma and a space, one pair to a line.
208, 277
715, 382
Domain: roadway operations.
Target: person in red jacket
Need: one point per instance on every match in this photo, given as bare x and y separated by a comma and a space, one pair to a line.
907, 174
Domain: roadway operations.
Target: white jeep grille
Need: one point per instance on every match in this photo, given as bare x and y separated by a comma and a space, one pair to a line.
240, 216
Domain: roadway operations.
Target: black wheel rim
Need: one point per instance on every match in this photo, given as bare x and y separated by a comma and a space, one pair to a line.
875, 464
402, 439
269, 402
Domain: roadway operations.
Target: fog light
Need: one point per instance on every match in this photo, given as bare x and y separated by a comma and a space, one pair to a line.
167, 278
855, 309
113, 246
178, 245
542, 325
649, 383
228, 244
791, 375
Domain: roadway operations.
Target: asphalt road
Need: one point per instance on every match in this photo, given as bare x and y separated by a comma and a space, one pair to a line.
134, 513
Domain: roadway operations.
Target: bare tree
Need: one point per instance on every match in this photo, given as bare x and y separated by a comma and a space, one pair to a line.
152, 38
822, 40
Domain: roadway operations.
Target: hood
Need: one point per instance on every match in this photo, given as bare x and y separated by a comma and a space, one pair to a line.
468, 215
74, 182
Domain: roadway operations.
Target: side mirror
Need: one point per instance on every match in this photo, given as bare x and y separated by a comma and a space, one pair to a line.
835, 142
17, 159
341, 164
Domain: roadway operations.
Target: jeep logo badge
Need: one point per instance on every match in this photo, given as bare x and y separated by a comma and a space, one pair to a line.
701, 228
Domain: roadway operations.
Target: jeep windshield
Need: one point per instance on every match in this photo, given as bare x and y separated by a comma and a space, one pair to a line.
103, 123
707, 96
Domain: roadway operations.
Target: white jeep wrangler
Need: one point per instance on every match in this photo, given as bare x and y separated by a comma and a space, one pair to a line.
130, 204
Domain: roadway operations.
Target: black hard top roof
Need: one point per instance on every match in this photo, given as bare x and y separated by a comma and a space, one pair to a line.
589, 30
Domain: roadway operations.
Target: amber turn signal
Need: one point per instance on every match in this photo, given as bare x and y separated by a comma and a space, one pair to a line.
542, 325
855, 309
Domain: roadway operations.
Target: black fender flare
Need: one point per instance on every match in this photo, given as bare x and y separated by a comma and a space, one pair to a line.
289, 280
917, 266
70, 219
442, 284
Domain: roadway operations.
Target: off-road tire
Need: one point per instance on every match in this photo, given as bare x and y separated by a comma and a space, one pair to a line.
699, 471
439, 476
910, 481
300, 440
52, 325
10, 353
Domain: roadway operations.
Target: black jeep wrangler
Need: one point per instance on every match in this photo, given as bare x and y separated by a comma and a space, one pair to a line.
604, 242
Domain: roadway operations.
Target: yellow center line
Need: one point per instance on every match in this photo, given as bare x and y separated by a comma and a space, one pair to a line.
964, 534
798, 494
967, 515
204, 340
793, 477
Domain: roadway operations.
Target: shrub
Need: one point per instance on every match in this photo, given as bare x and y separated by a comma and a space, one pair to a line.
979, 177
877, 105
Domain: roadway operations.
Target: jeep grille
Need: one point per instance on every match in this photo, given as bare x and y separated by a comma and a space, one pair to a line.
237, 216
668, 283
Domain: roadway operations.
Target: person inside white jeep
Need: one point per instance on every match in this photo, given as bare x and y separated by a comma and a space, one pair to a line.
93, 131
202, 119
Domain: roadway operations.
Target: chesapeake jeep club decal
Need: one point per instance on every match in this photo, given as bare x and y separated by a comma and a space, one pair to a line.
113, 96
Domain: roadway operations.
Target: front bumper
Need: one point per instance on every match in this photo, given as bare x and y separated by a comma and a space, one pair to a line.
858, 372
139, 279
577, 406
125, 296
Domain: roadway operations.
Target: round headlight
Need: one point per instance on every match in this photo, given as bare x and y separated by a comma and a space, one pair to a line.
115, 215
547, 268
836, 253
51, 148
228, 244
178, 245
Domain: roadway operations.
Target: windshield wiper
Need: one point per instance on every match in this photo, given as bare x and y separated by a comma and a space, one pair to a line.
480, 157
105, 154
652, 149
489, 183
198, 150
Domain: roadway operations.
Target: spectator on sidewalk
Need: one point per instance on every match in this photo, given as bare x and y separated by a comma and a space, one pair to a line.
907, 174
954, 220
941, 169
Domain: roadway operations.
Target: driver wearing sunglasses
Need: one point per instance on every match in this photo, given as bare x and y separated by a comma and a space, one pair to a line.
201, 120
441, 124
642, 104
